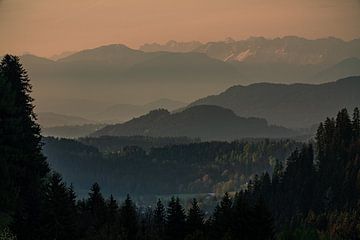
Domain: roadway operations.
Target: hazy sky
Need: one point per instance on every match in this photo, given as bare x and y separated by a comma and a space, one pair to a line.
47, 27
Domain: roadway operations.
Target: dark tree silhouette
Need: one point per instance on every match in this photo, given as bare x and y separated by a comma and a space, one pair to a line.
22, 163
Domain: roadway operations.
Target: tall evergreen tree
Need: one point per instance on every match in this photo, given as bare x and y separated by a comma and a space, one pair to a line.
222, 218
159, 219
242, 217
111, 218
356, 124
175, 222
58, 220
20, 151
96, 208
262, 222
195, 218
129, 219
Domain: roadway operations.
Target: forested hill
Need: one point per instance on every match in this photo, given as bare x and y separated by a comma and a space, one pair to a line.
170, 169
206, 122
294, 105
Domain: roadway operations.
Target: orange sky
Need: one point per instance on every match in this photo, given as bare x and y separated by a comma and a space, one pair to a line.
47, 27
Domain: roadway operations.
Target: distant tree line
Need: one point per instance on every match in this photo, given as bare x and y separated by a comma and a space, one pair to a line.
118, 143
99, 218
174, 168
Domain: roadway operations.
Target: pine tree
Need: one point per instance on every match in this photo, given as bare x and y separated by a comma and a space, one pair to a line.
175, 222
128, 219
343, 129
356, 124
222, 217
20, 151
195, 219
111, 218
159, 219
262, 223
58, 222
97, 210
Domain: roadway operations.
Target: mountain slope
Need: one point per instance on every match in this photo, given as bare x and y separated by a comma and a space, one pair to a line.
290, 50
120, 74
347, 67
50, 119
205, 121
295, 105
186, 67
124, 112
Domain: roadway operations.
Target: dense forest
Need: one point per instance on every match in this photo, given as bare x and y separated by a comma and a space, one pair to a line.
319, 191
199, 167
314, 194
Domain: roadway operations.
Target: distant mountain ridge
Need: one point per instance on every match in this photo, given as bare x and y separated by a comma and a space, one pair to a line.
346, 68
50, 119
205, 121
170, 46
288, 49
124, 112
120, 74
293, 105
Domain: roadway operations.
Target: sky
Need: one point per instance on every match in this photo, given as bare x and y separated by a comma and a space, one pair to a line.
49, 27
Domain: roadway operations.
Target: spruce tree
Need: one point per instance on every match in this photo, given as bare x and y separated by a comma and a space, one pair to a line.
58, 220
175, 222
128, 219
159, 219
356, 124
222, 218
242, 217
195, 218
262, 222
97, 210
20, 149
111, 218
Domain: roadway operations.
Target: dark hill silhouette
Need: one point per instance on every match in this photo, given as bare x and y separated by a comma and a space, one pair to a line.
205, 121
294, 105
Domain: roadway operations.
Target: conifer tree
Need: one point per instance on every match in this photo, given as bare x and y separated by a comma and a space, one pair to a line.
111, 218
97, 210
128, 219
263, 226
195, 218
175, 222
222, 217
159, 219
356, 124
20, 149
58, 221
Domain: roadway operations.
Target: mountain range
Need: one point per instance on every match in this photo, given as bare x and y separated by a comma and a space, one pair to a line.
186, 71
289, 105
206, 122
106, 77
289, 50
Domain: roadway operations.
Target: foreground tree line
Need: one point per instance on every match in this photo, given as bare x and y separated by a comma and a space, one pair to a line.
97, 218
315, 196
